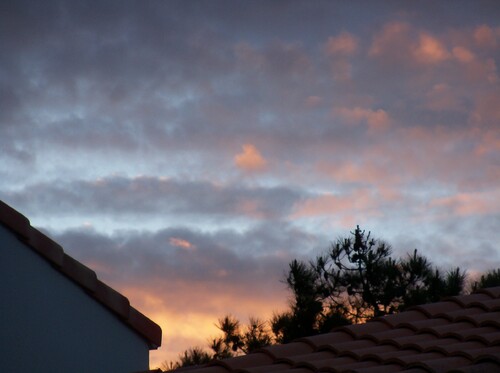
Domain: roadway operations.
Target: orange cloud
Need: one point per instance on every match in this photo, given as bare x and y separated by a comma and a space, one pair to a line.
367, 173
485, 36
377, 120
250, 159
185, 323
490, 144
487, 111
329, 204
340, 48
250, 207
469, 203
179, 242
463, 54
430, 50
345, 44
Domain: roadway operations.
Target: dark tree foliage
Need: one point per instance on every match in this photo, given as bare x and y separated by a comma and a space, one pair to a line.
359, 276
355, 280
190, 357
235, 340
489, 279
307, 315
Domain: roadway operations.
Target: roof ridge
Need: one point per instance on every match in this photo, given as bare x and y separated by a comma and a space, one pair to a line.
80, 274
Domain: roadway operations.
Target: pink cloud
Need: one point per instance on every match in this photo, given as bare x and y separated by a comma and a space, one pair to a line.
430, 50
442, 97
485, 36
465, 204
376, 120
183, 244
487, 110
250, 159
328, 204
345, 44
339, 49
489, 144
463, 54
250, 207
367, 172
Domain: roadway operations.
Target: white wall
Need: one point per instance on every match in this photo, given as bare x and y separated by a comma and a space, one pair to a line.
49, 324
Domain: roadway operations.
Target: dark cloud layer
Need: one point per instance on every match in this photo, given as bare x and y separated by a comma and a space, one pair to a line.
152, 196
162, 262
187, 146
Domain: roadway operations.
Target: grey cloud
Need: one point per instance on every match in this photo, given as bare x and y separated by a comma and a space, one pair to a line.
231, 263
120, 74
152, 195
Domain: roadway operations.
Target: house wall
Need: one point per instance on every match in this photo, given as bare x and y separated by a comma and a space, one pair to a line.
49, 324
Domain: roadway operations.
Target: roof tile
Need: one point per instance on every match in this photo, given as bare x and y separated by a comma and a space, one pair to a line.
493, 292
265, 368
407, 359
79, 273
15, 221
289, 349
433, 309
490, 305
328, 338
388, 368
245, 361
46, 247
349, 366
419, 324
442, 365
454, 315
145, 327
320, 355
466, 300
367, 328
372, 351
403, 317
482, 367
349, 346
389, 335
473, 332
295, 370
487, 338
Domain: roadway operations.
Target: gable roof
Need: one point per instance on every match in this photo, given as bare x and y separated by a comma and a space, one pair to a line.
458, 334
80, 274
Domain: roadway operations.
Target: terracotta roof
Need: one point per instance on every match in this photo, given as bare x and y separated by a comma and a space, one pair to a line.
458, 334
80, 274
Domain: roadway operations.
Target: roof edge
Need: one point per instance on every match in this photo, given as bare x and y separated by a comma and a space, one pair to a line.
80, 274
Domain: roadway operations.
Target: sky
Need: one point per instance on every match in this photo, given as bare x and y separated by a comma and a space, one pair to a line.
187, 151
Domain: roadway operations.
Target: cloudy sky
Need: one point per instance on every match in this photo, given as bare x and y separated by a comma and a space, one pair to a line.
188, 150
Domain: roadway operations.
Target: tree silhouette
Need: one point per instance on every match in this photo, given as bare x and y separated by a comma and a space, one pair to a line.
489, 279
307, 315
355, 280
359, 276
